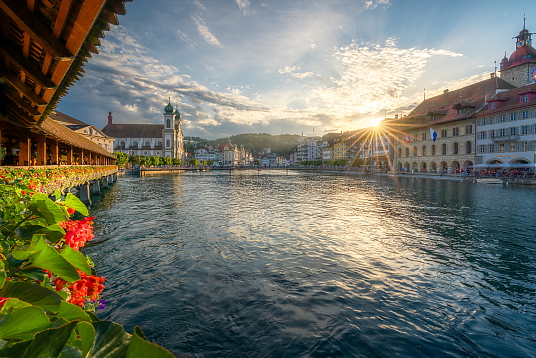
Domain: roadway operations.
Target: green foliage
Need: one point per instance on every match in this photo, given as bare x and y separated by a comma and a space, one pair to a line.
37, 265
122, 159
193, 162
255, 142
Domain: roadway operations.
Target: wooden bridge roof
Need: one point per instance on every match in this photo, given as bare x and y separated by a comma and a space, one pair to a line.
43, 47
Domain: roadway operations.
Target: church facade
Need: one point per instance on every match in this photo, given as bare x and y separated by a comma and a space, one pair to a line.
162, 140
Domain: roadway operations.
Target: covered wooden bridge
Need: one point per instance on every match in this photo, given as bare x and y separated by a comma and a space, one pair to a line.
44, 45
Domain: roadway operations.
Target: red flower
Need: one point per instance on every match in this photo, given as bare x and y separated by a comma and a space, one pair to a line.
88, 288
78, 232
71, 211
3, 301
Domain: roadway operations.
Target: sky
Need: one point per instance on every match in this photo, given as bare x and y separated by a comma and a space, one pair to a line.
289, 66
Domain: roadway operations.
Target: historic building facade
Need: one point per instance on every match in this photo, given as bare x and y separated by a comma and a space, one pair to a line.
163, 140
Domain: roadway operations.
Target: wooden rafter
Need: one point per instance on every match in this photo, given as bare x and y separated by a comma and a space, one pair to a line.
15, 97
16, 57
30, 24
63, 12
21, 87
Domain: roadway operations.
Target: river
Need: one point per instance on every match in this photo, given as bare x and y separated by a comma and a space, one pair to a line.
298, 264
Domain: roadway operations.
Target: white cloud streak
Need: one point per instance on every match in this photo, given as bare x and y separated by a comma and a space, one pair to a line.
204, 31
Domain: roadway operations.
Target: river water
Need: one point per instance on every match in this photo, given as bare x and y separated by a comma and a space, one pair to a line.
301, 264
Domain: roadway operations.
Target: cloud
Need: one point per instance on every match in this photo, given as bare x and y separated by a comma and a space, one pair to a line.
288, 69
242, 4
372, 4
302, 75
199, 5
204, 31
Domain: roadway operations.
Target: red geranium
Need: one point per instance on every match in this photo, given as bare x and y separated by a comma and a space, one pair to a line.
78, 232
88, 288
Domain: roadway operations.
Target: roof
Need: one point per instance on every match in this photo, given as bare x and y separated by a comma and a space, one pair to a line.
134, 130
472, 98
60, 132
65, 119
511, 100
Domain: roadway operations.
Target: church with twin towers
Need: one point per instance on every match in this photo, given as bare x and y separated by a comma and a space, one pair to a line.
162, 140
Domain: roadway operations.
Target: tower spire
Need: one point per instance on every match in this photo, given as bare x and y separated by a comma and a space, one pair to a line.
524, 19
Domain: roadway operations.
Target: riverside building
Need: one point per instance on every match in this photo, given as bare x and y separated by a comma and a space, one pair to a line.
163, 140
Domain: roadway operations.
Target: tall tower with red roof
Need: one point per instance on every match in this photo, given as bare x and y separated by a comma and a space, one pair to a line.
520, 68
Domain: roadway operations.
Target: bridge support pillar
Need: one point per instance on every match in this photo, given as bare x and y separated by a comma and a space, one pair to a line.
83, 193
95, 187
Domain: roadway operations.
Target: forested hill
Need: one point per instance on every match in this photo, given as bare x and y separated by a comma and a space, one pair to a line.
254, 143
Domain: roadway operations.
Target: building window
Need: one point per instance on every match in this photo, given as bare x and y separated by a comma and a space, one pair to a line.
524, 129
492, 105
423, 136
407, 152
482, 121
444, 149
524, 114
455, 131
502, 118
501, 147
525, 98
122, 145
443, 133
490, 120
135, 144
168, 123
492, 133
513, 116
414, 151
433, 149
147, 144
492, 148
524, 146
482, 148
462, 111
399, 152
167, 143
482, 135
513, 147
513, 131
455, 148
424, 150
502, 132
468, 147
469, 129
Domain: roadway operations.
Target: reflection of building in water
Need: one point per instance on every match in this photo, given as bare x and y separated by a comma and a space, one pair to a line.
163, 140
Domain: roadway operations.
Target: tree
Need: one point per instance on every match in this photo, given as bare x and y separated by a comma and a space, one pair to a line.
176, 161
209, 162
165, 160
193, 162
122, 159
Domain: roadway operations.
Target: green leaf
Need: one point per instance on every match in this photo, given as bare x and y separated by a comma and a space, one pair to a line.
2, 273
32, 293
73, 202
12, 305
23, 252
57, 194
86, 331
23, 324
111, 340
47, 208
70, 352
140, 348
49, 259
76, 259
48, 343
36, 274
53, 233
72, 312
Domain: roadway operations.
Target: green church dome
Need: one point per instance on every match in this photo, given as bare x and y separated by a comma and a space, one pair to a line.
177, 114
169, 108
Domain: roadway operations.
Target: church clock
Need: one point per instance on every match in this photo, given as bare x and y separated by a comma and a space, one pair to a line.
533, 75
520, 43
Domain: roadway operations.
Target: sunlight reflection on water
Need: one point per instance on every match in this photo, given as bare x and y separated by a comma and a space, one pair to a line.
306, 264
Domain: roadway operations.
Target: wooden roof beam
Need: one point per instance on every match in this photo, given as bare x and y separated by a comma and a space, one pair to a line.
63, 12
19, 85
14, 96
14, 55
30, 24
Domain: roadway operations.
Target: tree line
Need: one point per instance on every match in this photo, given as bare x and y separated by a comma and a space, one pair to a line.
280, 144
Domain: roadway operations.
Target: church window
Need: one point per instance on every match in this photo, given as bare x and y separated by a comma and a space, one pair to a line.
168, 123
168, 143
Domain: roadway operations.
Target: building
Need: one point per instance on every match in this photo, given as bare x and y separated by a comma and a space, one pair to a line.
163, 140
85, 130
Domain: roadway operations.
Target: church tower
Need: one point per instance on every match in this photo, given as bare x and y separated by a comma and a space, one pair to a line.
520, 68
168, 133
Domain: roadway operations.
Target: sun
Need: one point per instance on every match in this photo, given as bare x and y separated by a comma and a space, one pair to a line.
376, 121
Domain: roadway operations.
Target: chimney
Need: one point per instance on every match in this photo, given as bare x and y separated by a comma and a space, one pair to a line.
110, 117
488, 96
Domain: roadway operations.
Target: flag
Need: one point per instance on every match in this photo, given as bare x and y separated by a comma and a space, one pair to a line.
433, 134
406, 138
